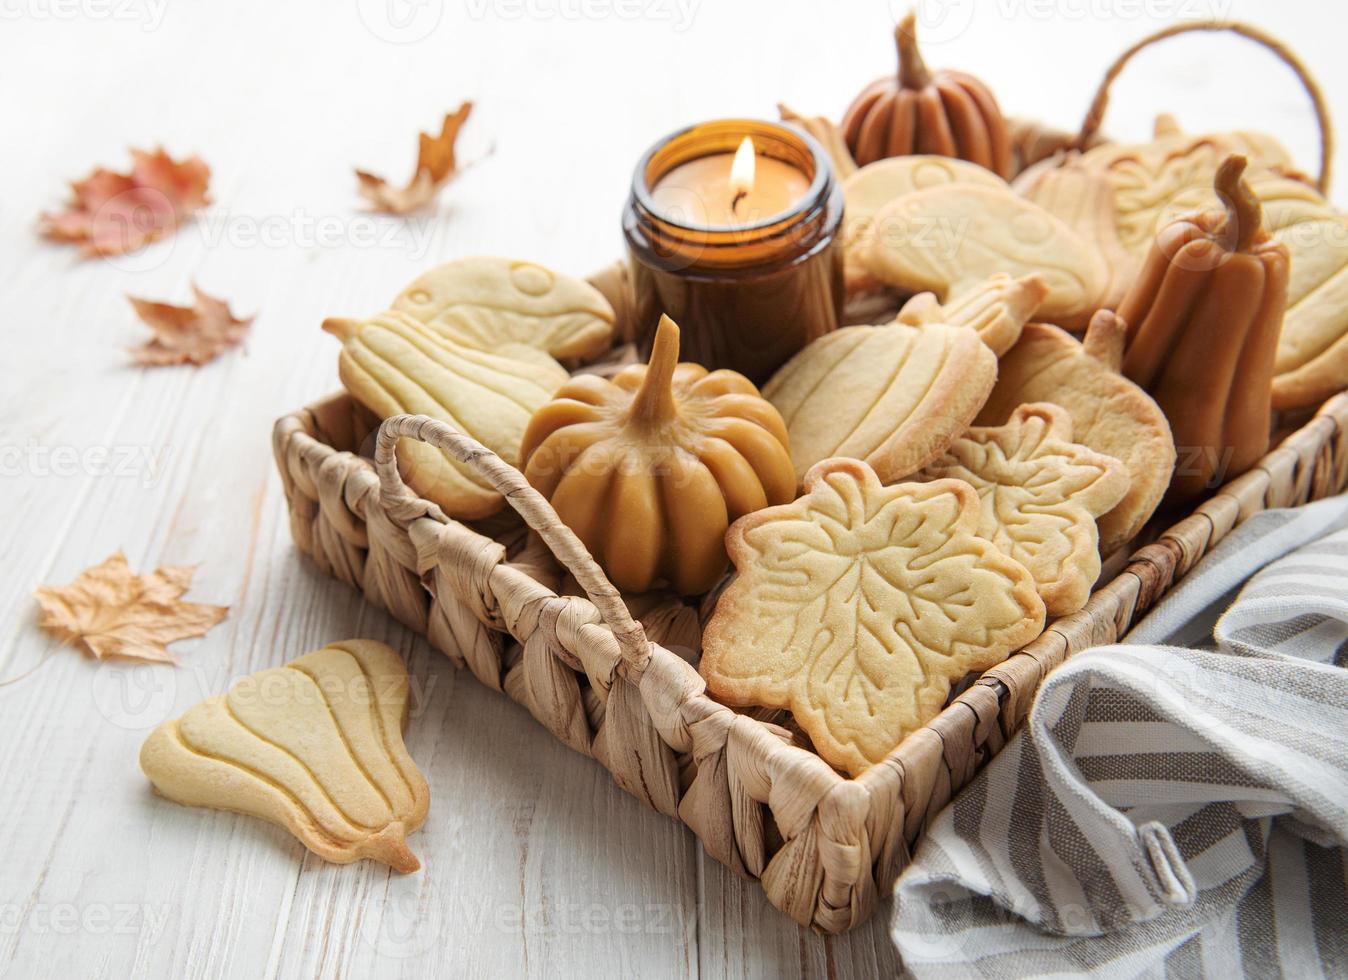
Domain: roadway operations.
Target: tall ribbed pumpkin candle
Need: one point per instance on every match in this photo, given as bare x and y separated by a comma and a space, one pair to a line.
1203, 322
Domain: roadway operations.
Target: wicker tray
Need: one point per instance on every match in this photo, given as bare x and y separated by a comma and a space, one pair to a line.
488, 595
824, 846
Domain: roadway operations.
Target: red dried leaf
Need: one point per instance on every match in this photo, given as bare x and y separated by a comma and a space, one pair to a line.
436, 166
112, 214
187, 334
111, 612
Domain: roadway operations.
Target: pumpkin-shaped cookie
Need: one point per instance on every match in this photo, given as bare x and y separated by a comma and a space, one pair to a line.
315, 746
484, 302
893, 396
650, 468
918, 110
393, 365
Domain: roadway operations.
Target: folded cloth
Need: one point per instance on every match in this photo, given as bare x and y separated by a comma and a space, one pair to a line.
1165, 811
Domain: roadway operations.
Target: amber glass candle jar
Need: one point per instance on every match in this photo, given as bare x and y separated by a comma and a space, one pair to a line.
746, 295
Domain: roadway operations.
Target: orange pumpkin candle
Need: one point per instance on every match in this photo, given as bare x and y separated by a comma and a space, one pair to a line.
1203, 322
944, 112
651, 468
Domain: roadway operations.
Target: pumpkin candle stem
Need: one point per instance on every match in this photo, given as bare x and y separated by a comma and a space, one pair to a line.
1244, 213
654, 401
913, 72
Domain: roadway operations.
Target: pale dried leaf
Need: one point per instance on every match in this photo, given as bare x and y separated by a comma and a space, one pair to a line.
192, 334
111, 612
436, 166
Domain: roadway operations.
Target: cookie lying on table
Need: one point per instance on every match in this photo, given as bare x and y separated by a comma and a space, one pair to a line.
858, 605
315, 746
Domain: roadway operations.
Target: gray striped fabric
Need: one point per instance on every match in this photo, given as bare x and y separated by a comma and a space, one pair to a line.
1166, 811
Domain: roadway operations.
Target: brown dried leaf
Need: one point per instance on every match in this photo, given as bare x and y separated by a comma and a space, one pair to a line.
187, 334
111, 612
436, 166
111, 213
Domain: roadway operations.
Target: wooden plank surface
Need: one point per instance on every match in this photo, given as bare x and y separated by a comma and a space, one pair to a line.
535, 864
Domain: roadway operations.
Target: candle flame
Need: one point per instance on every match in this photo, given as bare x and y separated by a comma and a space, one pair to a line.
742, 169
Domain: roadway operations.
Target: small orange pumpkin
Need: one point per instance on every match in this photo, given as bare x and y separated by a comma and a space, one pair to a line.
649, 469
943, 112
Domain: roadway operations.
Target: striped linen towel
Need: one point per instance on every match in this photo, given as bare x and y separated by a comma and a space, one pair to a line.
1166, 811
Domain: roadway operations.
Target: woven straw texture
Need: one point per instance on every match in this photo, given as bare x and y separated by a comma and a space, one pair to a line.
825, 847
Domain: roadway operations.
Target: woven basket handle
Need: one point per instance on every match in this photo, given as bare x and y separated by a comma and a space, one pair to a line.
1096, 114
528, 503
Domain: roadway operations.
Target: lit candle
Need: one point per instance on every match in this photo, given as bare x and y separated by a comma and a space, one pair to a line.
732, 231
727, 190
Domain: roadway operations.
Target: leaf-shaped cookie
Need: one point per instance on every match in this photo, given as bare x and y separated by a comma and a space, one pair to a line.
998, 308
1147, 177
946, 239
1041, 494
858, 605
484, 302
1109, 413
893, 396
315, 746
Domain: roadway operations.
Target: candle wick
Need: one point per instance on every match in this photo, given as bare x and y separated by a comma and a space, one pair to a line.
735, 201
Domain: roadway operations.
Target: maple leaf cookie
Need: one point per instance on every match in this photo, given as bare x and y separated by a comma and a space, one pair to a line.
1041, 494
858, 605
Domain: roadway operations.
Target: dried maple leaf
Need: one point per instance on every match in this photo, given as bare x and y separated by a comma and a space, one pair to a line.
436, 165
192, 334
111, 612
111, 213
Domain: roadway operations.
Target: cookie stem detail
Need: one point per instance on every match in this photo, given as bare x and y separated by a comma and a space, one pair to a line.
913, 71
341, 327
654, 401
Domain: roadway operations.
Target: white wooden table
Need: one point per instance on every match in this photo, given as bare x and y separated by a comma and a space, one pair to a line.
535, 863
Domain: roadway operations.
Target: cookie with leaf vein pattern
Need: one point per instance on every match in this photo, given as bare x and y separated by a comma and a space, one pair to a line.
1041, 494
858, 605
